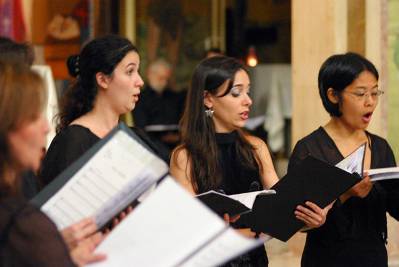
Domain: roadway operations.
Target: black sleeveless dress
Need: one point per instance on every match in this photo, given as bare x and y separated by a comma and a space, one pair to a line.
238, 178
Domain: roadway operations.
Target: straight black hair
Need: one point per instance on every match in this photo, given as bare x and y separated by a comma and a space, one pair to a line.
339, 71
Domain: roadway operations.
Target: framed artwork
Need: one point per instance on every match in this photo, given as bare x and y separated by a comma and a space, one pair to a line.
61, 27
178, 31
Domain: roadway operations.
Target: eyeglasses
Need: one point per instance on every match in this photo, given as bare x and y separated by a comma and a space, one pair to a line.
362, 96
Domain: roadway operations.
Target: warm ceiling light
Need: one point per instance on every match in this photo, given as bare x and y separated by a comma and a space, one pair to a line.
252, 59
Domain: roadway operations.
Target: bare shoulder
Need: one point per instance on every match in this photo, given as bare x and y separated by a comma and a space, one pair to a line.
256, 142
180, 168
269, 176
179, 157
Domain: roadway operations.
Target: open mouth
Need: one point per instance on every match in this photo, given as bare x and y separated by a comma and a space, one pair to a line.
244, 115
367, 117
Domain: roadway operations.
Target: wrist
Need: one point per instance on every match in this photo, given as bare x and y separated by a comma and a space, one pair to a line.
344, 197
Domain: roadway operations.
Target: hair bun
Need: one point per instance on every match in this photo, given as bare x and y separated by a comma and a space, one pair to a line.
73, 65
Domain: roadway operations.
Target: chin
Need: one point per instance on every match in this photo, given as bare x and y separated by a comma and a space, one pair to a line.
239, 125
127, 109
33, 167
364, 127
132, 105
360, 126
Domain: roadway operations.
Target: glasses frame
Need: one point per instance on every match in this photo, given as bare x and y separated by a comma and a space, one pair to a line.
375, 94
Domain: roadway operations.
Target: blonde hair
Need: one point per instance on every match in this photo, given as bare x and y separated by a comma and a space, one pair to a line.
22, 97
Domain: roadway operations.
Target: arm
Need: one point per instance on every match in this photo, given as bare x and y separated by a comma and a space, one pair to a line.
310, 213
180, 169
361, 189
37, 238
268, 175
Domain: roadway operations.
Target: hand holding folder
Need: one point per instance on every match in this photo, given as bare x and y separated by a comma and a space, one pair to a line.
313, 180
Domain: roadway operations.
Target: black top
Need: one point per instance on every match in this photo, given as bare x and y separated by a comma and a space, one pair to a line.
71, 143
236, 179
355, 232
66, 147
29, 184
28, 237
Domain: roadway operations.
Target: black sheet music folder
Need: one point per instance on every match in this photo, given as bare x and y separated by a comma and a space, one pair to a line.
313, 180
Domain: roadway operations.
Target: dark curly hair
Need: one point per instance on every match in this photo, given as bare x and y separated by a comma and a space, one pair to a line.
102, 54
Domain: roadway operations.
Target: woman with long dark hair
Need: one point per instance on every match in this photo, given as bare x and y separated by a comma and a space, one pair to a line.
215, 153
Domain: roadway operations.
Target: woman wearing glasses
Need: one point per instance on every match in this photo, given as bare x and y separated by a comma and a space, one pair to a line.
355, 232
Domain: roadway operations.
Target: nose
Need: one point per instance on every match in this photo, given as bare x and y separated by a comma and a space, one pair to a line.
370, 100
140, 82
247, 100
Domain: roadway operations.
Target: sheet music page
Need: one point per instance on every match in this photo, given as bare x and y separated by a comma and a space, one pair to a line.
169, 225
248, 199
383, 173
354, 162
227, 246
119, 172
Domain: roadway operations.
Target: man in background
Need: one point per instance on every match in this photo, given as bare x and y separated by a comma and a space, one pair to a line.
159, 110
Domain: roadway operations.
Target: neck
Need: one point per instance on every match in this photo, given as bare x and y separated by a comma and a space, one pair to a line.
338, 128
223, 129
101, 119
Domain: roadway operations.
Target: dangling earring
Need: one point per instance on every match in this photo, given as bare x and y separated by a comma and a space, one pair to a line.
209, 112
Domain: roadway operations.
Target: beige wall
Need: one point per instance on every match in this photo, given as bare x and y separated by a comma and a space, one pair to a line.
319, 29
323, 28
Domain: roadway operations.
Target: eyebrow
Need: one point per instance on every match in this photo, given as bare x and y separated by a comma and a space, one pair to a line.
365, 88
133, 64
240, 84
